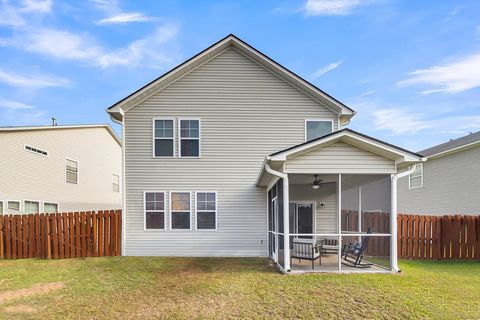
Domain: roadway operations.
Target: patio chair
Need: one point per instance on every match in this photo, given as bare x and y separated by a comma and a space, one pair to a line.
306, 249
352, 253
329, 245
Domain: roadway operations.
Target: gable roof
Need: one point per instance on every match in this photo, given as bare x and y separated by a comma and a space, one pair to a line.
63, 127
338, 135
116, 111
452, 145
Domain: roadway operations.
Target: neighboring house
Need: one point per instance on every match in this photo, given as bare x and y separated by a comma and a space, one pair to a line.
231, 154
59, 168
447, 183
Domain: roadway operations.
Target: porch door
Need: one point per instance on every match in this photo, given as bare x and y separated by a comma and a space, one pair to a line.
301, 218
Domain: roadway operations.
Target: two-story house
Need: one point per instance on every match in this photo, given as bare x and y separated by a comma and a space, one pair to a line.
59, 169
232, 154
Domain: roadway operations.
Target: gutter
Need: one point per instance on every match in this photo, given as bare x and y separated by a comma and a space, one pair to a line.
393, 216
286, 215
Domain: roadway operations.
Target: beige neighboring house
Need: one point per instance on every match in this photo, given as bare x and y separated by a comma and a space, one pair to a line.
447, 183
59, 168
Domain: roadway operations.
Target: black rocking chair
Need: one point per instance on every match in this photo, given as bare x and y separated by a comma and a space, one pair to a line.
352, 253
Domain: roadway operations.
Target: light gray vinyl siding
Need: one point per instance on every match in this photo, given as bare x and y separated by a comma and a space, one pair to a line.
339, 157
25, 175
451, 185
246, 113
325, 218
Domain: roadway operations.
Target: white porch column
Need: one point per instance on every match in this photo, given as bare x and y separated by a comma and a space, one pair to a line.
286, 223
360, 209
339, 218
393, 224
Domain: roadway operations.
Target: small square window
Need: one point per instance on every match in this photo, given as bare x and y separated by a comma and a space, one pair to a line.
317, 128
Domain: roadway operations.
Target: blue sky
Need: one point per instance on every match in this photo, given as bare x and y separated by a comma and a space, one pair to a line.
411, 69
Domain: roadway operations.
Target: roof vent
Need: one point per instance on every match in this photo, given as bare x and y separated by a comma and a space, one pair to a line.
54, 121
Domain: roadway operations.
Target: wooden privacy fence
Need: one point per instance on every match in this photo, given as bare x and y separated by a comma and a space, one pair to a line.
380, 221
438, 237
61, 235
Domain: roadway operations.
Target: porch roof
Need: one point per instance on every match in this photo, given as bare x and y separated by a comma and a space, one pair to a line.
372, 151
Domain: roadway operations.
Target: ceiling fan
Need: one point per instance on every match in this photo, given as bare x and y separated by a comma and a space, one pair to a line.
317, 183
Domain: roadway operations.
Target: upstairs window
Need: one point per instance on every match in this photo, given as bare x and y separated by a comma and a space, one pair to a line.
180, 210
317, 128
36, 150
206, 210
115, 182
154, 210
189, 137
416, 178
163, 138
71, 171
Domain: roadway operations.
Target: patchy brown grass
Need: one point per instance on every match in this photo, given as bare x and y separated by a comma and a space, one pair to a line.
205, 288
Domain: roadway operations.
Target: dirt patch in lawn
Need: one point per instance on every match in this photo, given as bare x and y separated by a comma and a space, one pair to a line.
36, 289
20, 309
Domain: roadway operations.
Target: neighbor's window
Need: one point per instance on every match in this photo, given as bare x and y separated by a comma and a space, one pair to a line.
13, 206
416, 178
1, 207
180, 210
71, 171
154, 210
116, 182
50, 207
189, 138
317, 128
36, 150
31, 206
163, 138
206, 210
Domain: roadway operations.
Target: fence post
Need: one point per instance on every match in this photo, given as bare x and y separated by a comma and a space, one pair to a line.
49, 248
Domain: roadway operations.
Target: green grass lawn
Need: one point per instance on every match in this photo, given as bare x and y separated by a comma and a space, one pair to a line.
119, 287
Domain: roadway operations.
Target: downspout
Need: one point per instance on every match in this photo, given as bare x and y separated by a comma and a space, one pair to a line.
124, 221
286, 208
393, 218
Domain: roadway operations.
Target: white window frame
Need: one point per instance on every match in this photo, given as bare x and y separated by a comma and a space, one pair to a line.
118, 176
145, 211
196, 210
40, 207
37, 153
180, 137
78, 171
173, 211
316, 119
50, 202
154, 138
421, 177
19, 205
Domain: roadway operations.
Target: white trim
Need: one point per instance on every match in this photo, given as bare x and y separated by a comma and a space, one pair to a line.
145, 211
50, 202
37, 153
172, 211
180, 137
78, 170
421, 177
317, 120
453, 150
216, 210
117, 175
154, 138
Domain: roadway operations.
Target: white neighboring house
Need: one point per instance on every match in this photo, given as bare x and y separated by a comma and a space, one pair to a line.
232, 154
447, 183
59, 168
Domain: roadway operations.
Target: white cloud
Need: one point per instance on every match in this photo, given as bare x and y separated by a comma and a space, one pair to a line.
320, 72
332, 7
63, 44
9, 16
365, 94
19, 113
37, 5
32, 80
126, 17
14, 105
403, 122
450, 78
